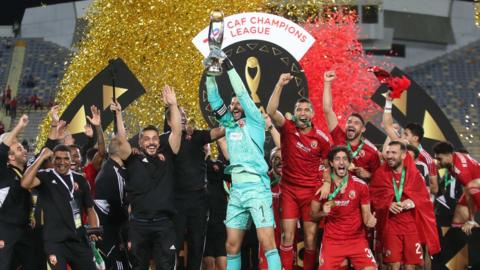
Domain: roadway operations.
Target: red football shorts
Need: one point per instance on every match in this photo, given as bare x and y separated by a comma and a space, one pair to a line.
475, 193
403, 248
334, 253
296, 201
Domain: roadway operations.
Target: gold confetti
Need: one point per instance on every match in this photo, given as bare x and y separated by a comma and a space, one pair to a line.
154, 38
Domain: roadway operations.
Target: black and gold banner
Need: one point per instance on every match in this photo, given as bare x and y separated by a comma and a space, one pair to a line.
99, 92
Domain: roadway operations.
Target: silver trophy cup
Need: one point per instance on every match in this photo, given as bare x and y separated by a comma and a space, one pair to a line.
215, 39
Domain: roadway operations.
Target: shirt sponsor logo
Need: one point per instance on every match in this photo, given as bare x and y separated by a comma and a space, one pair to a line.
54, 182
145, 160
302, 147
236, 136
342, 203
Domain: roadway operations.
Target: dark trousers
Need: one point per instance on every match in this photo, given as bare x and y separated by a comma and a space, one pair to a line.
152, 239
113, 246
191, 225
18, 245
75, 252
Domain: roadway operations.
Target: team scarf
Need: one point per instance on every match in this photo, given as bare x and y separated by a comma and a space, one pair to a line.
382, 194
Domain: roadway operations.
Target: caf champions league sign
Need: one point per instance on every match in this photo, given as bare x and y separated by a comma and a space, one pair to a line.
261, 46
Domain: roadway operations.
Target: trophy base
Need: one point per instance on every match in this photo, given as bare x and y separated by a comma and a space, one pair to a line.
214, 71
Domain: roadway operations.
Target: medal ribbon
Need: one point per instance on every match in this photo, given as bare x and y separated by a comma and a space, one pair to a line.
448, 179
399, 190
332, 195
354, 154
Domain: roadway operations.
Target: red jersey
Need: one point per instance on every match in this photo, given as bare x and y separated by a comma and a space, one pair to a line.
303, 155
90, 174
465, 168
345, 221
367, 158
404, 222
426, 158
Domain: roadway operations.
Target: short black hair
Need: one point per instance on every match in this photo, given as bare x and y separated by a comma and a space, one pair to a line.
147, 128
416, 152
403, 147
337, 149
61, 148
416, 129
357, 115
91, 153
443, 148
73, 146
463, 150
304, 100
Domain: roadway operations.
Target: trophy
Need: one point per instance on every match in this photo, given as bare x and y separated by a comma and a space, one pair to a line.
215, 38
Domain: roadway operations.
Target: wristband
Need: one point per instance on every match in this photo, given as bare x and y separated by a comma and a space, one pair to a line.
388, 105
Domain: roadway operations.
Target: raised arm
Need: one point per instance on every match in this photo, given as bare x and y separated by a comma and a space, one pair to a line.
96, 121
221, 111
273, 131
30, 179
249, 108
175, 137
12, 136
125, 150
222, 143
388, 120
330, 115
272, 108
217, 133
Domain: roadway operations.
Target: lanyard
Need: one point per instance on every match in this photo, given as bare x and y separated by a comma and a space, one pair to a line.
17, 172
448, 178
337, 190
399, 190
65, 184
354, 154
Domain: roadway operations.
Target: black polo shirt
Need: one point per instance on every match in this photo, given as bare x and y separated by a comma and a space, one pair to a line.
217, 197
110, 194
55, 200
190, 167
149, 184
15, 201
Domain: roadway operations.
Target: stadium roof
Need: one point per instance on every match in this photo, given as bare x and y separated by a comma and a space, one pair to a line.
12, 11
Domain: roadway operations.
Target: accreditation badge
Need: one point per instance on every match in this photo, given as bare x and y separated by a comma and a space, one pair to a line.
77, 219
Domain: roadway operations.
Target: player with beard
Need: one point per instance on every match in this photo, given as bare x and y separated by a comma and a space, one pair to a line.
275, 178
250, 195
304, 151
15, 202
346, 213
406, 219
149, 188
190, 192
466, 170
413, 134
365, 156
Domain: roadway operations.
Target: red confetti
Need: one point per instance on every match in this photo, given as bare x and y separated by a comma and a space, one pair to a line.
337, 48
398, 85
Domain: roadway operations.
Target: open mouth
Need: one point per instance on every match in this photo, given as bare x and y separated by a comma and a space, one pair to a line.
342, 170
237, 113
351, 132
